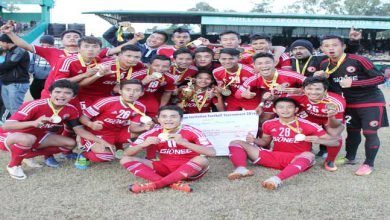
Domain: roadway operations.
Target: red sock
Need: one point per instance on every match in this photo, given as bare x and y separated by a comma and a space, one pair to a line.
299, 165
141, 170
98, 157
237, 155
183, 172
18, 152
333, 151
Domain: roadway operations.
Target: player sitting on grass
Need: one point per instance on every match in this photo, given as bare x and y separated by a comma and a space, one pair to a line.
34, 129
181, 148
293, 138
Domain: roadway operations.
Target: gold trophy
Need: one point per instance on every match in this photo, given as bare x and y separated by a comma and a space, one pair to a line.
186, 93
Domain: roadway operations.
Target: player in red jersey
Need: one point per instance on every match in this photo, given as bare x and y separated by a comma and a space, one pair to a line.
81, 66
357, 79
113, 71
114, 119
269, 79
181, 147
292, 137
182, 68
34, 129
203, 96
261, 43
325, 109
156, 78
230, 76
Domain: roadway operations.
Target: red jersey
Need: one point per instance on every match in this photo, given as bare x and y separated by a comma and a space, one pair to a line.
247, 58
51, 54
284, 137
181, 76
166, 51
318, 110
30, 111
114, 114
223, 77
201, 98
167, 82
103, 86
169, 150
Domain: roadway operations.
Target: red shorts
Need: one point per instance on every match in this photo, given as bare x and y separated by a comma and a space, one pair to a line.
275, 159
164, 168
39, 140
117, 138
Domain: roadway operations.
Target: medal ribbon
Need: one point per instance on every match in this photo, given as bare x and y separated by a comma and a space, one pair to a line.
304, 67
181, 73
296, 130
118, 72
83, 62
238, 72
200, 106
341, 60
55, 112
131, 105
273, 82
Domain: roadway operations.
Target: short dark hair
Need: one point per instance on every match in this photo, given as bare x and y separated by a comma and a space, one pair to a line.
181, 51
231, 51
89, 40
64, 83
286, 99
230, 32
316, 79
260, 55
203, 50
328, 37
171, 107
181, 30
160, 57
260, 36
163, 33
131, 48
71, 31
132, 82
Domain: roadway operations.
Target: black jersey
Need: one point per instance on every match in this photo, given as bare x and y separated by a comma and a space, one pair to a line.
365, 80
311, 67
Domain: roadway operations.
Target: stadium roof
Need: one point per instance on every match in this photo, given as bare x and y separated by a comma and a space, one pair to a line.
246, 19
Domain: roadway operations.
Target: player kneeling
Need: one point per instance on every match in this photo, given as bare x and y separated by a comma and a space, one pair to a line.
114, 119
181, 148
34, 129
293, 138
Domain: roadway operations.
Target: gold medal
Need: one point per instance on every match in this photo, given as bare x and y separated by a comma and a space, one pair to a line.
55, 119
163, 137
157, 75
226, 92
331, 106
300, 137
145, 119
341, 60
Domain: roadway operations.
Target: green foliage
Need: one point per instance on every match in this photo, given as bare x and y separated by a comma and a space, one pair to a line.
202, 6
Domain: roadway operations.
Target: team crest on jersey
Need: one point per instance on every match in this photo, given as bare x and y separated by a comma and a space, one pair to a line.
374, 123
267, 104
351, 69
311, 69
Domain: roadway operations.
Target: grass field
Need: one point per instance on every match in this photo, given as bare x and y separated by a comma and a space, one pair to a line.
101, 193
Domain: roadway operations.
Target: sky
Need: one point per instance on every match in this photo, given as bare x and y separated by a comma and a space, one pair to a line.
70, 11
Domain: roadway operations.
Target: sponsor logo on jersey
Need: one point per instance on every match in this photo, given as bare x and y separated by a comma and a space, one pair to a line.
351, 69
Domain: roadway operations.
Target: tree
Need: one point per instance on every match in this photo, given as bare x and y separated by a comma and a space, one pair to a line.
262, 7
367, 7
202, 6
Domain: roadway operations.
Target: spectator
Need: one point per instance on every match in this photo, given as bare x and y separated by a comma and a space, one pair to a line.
40, 68
14, 75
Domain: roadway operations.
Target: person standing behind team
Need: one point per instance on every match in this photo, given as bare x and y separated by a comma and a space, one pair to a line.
40, 68
357, 79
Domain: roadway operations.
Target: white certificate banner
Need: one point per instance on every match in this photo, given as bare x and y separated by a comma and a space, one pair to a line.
223, 127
